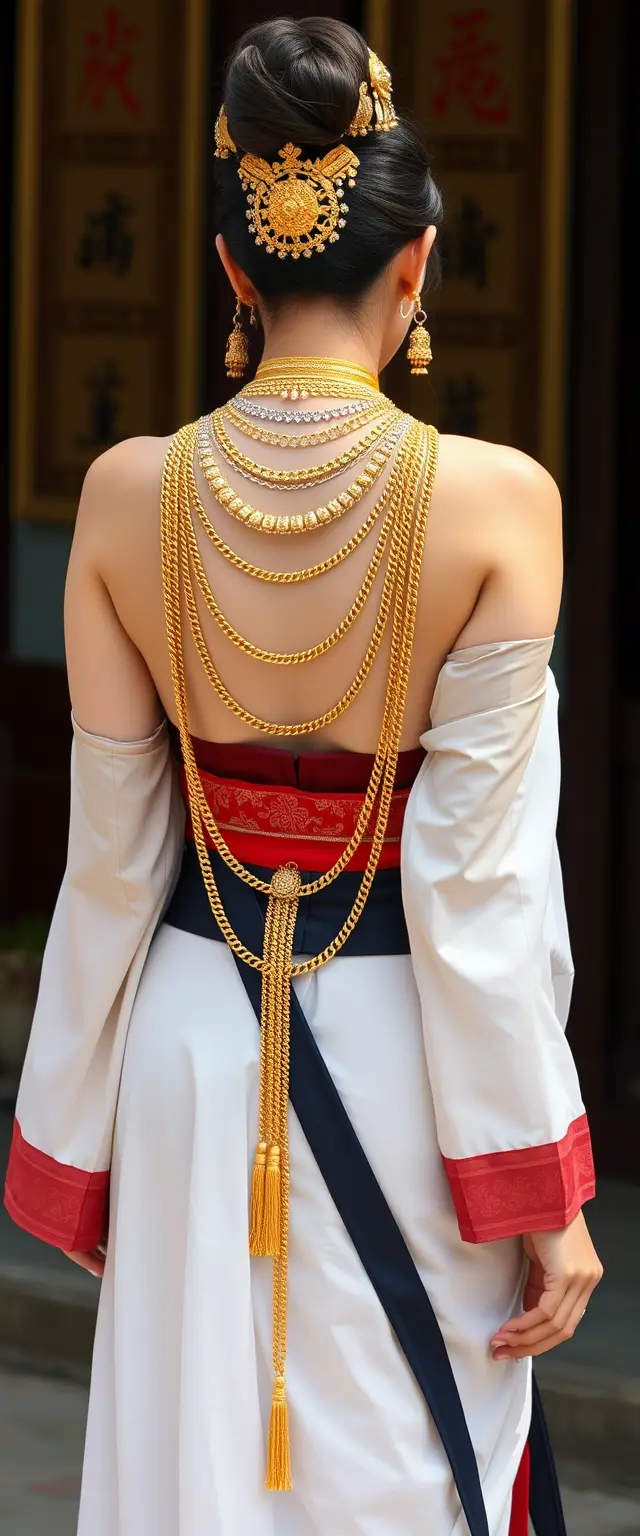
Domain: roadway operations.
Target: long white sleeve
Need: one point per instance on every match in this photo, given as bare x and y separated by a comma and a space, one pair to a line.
483, 898
125, 838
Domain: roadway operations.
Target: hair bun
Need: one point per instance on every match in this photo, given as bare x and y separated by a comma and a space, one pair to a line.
294, 81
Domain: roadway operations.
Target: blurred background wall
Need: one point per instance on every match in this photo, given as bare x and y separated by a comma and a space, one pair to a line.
113, 320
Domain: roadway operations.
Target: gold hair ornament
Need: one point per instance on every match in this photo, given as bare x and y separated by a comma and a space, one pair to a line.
295, 205
225, 146
375, 105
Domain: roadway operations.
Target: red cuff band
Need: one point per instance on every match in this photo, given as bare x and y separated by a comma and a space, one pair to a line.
534, 1189
62, 1205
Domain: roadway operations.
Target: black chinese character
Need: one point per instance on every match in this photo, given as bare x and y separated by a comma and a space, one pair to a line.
460, 401
106, 241
102, 386
465, 242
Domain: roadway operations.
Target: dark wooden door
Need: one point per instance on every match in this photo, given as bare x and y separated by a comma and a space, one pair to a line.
600, 814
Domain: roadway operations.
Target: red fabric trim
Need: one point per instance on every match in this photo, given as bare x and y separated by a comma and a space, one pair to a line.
520, 1498
326, 772
534, 1189
60, 1204
268, 825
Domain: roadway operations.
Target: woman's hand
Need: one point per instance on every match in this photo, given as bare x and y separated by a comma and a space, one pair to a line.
564, 1270
94, 1261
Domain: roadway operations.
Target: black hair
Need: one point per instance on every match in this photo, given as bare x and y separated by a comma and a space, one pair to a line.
298, 81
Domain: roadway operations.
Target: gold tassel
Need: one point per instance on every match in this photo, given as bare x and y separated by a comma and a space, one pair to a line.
272, 1228
269, 1223
279, 1451
256, 1215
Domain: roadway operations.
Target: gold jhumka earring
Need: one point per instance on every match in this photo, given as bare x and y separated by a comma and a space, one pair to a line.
419, 352
237, 353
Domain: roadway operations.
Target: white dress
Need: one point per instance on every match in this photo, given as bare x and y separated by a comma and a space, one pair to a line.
455, 1072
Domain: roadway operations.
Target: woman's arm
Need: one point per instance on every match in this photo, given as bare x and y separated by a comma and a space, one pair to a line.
480, 877
125, 840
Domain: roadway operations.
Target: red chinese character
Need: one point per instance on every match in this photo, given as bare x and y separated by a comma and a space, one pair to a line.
466, 72
107, 63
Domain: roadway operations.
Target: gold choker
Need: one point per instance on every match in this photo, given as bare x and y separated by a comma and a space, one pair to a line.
298, 378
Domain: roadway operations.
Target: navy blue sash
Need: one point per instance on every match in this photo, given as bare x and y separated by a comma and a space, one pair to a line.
348, 1175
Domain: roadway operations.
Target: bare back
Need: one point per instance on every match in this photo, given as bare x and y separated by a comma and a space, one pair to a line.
491, 570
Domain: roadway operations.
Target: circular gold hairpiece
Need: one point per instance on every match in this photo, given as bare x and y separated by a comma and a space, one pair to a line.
295, 205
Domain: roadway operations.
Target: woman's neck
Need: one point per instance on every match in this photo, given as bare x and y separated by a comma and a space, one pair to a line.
318, 329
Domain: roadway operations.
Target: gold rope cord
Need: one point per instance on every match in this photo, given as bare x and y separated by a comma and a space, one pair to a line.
270, 1187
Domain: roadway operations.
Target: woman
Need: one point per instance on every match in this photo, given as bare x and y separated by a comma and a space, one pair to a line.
414, 1220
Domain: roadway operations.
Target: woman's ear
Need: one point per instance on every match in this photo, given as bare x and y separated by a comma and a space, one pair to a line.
412, 262
242, 287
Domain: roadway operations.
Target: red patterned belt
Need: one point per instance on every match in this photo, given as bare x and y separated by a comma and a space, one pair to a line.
269, 824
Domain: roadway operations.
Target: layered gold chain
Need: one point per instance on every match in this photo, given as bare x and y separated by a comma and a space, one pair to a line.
409, 497
312, 653
251, 428
299, 522
282, 578
310, 475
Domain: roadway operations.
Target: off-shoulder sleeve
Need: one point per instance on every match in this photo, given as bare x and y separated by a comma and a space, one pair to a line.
125, 838
483, 897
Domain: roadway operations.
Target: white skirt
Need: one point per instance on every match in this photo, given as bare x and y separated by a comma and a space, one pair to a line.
182, 1375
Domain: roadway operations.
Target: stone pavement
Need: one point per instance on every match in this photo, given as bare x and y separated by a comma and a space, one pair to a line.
41, 1433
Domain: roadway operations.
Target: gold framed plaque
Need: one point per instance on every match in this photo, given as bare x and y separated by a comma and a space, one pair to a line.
110, 191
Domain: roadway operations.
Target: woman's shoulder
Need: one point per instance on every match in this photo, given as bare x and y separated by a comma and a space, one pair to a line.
497, 477
133, 461
475, 463
492, 484
122, 483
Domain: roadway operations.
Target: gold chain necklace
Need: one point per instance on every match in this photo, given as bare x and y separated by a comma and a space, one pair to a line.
272, 727
269, 1225
297, 479
278, 439
312, 653
298, 378
284, 578
301, 522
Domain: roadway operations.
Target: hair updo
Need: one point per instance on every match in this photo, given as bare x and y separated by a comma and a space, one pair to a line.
299, 81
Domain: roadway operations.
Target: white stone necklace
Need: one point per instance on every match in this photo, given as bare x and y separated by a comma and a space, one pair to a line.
273, 413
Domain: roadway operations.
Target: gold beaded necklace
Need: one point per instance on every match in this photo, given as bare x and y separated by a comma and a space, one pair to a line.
298, 479
269, 1223
301, 522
